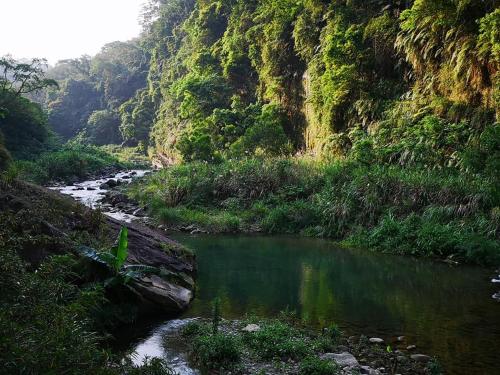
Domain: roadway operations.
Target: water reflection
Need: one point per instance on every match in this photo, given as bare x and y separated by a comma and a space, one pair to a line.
444, 311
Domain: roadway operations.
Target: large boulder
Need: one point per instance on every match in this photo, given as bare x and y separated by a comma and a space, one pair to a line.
156, 291
170, 288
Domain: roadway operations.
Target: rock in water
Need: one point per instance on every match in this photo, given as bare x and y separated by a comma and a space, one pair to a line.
376, 340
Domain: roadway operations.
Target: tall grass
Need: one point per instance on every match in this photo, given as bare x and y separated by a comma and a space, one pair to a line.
71, 162
404, 210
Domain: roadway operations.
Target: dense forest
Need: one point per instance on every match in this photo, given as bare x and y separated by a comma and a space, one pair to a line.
222, 79
374, 123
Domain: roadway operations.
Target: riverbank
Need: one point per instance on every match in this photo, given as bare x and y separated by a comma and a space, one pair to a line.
284, 345
443, 214
395, 296
65, 291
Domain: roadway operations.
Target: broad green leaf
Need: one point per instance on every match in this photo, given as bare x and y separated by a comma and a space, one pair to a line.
122, 248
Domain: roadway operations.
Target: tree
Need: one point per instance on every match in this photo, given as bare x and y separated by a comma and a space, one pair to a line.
23, 123
137, 116
18, 79
103, 128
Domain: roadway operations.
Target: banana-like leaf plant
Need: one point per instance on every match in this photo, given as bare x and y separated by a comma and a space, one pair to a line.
115, 259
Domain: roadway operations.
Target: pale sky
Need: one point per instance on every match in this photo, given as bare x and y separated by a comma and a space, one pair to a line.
61, 29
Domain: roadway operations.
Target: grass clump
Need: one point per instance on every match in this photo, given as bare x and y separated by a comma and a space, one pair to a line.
276, 339
217, 351
315, 366
329, 339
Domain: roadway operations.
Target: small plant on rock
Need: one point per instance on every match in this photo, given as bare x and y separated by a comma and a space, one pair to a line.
114, 260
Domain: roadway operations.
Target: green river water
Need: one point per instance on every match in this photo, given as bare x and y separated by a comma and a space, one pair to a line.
448, 312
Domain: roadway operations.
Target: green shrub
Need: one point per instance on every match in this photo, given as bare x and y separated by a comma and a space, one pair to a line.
217, 351
72, 161
193, 329
290, 217
276, 339
316, 366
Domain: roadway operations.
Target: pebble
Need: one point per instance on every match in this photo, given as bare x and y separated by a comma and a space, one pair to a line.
411, 347
376, 340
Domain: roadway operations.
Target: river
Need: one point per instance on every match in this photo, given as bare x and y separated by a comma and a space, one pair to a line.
446, 311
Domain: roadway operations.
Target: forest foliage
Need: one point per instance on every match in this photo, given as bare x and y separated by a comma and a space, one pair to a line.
216, 79
274, 77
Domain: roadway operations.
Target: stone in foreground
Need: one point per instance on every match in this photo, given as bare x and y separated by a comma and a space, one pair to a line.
344, 359
251, 328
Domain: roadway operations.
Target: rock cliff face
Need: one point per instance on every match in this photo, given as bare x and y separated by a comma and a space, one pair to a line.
53, 224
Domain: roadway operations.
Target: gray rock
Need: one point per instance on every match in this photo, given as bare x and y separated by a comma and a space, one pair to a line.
411, 347
420, 358
367, 370
344, 359
159, 292
139, 212
251, 328
112, 183
170, 290
401, 338
376, 340
402, 359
